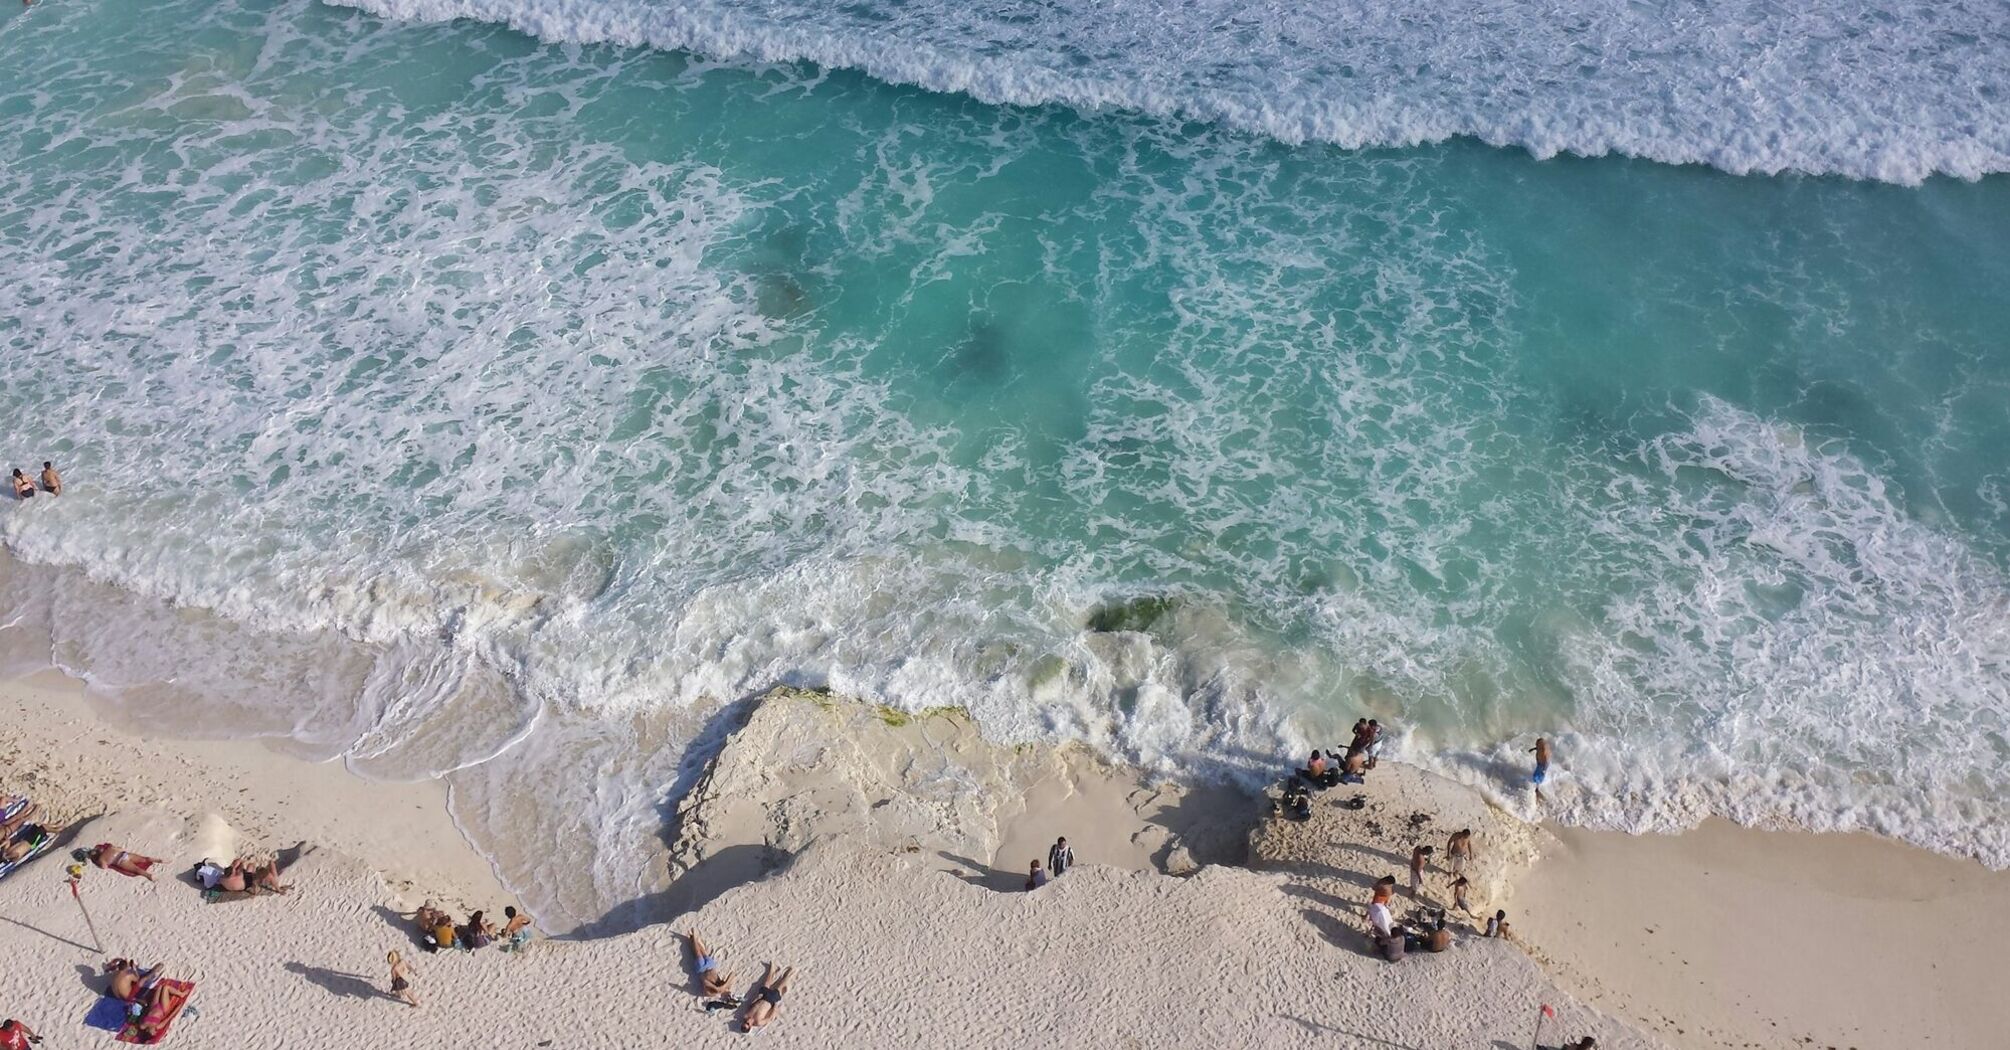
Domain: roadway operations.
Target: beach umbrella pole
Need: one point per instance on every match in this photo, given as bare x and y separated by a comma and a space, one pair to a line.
76, 879
1535, 1041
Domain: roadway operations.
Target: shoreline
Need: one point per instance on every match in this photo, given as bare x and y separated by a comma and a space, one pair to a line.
78, 764
885, 875
826, 804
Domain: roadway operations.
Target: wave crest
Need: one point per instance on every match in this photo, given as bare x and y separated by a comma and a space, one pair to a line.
1859, 89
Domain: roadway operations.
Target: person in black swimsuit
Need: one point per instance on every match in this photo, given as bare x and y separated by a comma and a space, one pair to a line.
768, 996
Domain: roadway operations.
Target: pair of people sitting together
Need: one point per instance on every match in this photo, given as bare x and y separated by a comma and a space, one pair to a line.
1327, 769
242, 876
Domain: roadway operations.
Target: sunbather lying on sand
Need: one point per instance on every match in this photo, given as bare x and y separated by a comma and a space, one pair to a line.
768, 997
711, 979
246, 876
27, 840
20, 818
265, 879
105, 855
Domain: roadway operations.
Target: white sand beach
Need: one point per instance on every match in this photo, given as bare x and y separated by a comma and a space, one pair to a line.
883, 857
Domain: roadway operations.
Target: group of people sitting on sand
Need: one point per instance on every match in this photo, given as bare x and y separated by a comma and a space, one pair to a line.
438, 932
52, 482
715, 986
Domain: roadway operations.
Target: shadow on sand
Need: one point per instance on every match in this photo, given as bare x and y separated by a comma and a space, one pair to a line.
337, 982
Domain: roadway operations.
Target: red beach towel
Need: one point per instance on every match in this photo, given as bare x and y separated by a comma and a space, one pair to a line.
106, 853
174, 996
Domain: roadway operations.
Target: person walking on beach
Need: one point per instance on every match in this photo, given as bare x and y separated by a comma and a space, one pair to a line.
52, 482
401, 979
1035, 878
1060, 857
1459, 851
1418, 858
1459, 887
1374, 749
23, 488
17, 1036
1541, 774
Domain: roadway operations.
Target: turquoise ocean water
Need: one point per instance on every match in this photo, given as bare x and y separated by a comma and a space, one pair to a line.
492, 398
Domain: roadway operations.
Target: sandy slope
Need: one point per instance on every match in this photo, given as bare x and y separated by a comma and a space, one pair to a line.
897, 946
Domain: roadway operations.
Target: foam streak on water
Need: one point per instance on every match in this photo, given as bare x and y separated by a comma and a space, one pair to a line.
1874, 89
477, 407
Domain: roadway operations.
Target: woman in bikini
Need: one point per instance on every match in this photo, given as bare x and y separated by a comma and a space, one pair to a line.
23, 488
110, 857
768, 997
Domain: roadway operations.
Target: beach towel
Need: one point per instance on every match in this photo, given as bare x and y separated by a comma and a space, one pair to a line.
107, 855
42, 840
107, 1014
8, 811
174, 996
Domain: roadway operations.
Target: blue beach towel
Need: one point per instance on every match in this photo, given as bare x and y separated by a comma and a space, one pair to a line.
109, 1014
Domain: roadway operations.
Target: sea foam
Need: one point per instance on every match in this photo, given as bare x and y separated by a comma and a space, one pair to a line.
1870, 90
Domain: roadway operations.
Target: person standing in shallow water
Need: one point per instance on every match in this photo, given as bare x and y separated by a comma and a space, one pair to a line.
1541, 773
52, 482
1060, 857
23, 488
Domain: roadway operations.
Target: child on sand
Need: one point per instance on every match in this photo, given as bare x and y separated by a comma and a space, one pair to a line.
1036, 878
401, 979
1459, 887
